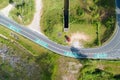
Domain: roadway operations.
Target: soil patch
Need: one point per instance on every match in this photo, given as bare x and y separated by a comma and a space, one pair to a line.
78, 38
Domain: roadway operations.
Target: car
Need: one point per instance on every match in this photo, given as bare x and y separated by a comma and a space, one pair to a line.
67, 38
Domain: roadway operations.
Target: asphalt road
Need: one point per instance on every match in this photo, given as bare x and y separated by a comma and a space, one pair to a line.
111, 50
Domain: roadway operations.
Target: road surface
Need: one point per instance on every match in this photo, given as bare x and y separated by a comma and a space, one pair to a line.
110, 50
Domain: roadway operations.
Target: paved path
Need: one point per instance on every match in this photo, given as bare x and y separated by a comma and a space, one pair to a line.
7, 10
35, 25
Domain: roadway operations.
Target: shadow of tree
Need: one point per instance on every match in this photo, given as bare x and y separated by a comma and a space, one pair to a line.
105, 3
117, 77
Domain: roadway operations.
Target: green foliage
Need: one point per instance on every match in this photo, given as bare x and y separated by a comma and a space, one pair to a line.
96, 74
24, 11
98, 70
105, 3
79, 11
47, 63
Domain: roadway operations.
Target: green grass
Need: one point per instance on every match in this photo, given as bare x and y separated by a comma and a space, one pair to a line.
109, 66
112, 66
106, 70
83, 19
23, 12
3, 3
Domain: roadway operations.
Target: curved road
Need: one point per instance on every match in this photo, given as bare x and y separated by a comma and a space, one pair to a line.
108, 51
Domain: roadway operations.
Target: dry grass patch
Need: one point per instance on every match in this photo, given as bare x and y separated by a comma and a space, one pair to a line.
78, 38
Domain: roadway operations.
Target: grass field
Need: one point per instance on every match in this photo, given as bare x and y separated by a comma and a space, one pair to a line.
3, 3
85, 16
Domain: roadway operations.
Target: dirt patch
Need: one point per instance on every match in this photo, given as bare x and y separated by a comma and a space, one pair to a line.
69, 69
100, 66
77, 39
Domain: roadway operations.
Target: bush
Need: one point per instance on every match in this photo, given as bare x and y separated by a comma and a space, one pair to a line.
23, 12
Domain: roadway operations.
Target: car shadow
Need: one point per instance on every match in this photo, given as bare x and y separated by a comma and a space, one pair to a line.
77, 53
